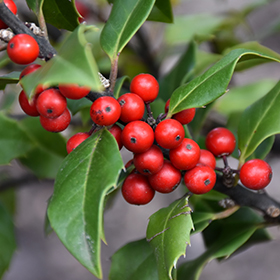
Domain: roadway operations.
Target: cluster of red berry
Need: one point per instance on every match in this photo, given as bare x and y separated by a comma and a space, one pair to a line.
50, 104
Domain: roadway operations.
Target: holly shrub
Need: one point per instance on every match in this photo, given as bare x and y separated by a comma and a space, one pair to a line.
92, 84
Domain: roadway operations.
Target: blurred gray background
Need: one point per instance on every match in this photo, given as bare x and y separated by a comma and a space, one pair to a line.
45, 258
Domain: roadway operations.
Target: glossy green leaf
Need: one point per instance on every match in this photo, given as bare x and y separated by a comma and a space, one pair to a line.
174, 77
162, 12
7, 239
185, 28
135, 260
14, 141
169, 234
213, 83
227, 236
125, 19
60, 13
8, 200
239, 98
48, 151
67, 68
76, 207
258, 122
11, 78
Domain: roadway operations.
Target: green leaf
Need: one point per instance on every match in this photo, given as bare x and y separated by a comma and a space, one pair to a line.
70, 65
35, 5
7, 239
226, 237
169, 233
8, 98
185, 28
174, 78
119, 84
76, 207
125, 19
212, 84
14, 141
157, 107
48, 151
258, 122
162, 12
60, 13
135, 260
11, 78
253, 46
77, 105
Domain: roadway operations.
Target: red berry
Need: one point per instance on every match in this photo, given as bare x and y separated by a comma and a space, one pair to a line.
167, 179
146, 86
149, 162
51, 103
186, 155
184, 117
137, 190
201, 179
207, 158
220, 142
74, 91
75, 141
169, 134
255, 174
138, 137
23, 49
30, 69
105, 110
57, 124
116, 131
82, 9
12, 7
133, 107
29, 107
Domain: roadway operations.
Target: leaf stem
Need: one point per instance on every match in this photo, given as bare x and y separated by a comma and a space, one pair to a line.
114, 73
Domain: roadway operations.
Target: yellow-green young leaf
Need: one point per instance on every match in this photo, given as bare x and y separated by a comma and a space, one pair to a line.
169, 234
14, 141
258, 122
213, 83
135, 261
125, 19
76, 208
74, 64
7, 239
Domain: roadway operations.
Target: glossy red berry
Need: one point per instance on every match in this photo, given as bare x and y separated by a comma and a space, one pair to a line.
255, 174
29, 107
149, 162
74, 91
12, 7
105, 111
146, 86
57, 124
167, 179
23, 49
137, 190
201, 179
138, 137
75, 141
169, 134
51, 103
186, 155
116, 131
220, 142
82, 9
207, 158
133, 107
184, 117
